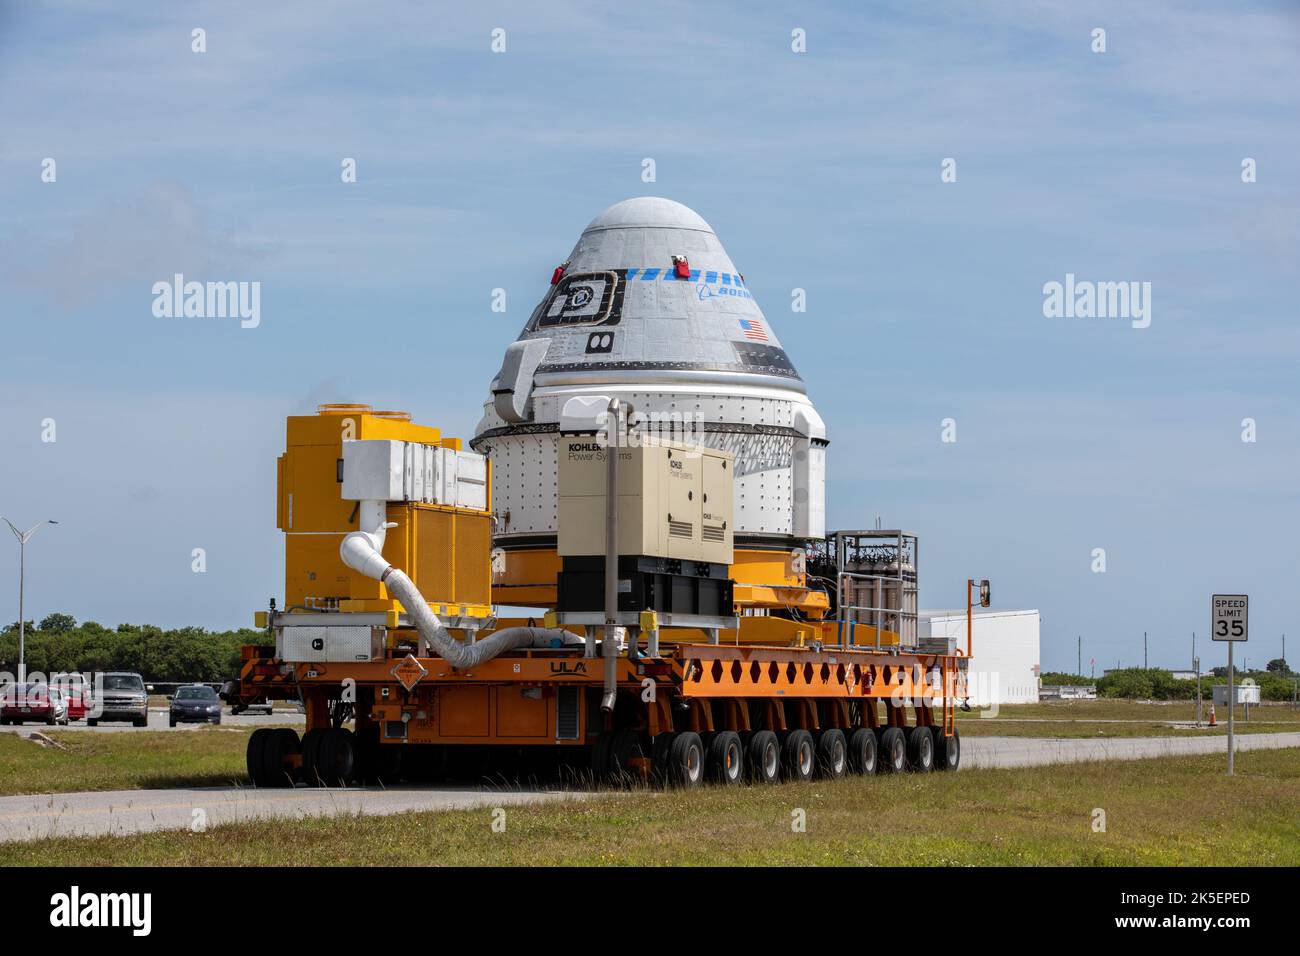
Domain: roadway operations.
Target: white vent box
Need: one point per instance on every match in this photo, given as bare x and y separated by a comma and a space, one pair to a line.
387, 470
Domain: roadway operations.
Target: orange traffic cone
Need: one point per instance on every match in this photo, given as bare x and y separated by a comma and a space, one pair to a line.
1213, 720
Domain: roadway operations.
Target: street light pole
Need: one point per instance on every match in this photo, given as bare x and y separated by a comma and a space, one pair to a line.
23, 537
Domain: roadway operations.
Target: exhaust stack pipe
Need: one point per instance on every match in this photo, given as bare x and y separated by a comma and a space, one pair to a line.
362, 552
609, 646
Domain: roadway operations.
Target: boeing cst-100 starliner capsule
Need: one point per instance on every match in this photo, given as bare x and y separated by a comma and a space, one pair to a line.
650, 309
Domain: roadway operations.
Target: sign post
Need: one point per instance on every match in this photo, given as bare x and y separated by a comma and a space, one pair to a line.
1229, 617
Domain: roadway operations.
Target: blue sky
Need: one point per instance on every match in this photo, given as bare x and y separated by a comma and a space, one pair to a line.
818, 171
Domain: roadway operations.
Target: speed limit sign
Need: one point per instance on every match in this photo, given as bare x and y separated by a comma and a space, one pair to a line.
1228, 617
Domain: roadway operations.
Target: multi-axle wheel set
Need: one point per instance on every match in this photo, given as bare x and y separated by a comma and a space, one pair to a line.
336, 756
727, 757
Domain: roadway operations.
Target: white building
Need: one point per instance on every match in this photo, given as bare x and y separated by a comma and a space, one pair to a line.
1004, 652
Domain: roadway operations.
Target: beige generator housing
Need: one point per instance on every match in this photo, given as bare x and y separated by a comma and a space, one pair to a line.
674, 501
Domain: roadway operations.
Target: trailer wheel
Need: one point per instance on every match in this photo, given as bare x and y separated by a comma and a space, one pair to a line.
920, 749
280, 742
253, 754
763, 757
659, 756
862, 751
311, 756
798, 758
336, 757
627, 746
725, 761
832, 754
947, 750
892, 749
684, 760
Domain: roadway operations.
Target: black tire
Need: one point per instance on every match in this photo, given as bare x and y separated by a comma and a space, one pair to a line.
50, 721
832, 754
625, 747
171, 722
920, 749
763, 757
336, 758
92, 721
140, 722
798, 756
947, 750
724, 762
253, 756
862, 751
659, 745
311, 756
280, 743
891, 750
684, 760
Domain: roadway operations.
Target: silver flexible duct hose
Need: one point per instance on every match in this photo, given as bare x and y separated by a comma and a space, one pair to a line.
362, 551
447, 647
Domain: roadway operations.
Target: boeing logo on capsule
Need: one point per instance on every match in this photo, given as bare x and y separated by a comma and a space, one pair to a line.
704, 291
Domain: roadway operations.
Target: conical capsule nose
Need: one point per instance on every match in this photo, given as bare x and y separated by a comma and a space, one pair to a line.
649, 291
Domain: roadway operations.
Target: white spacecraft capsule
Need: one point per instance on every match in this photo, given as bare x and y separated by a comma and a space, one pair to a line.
649, 309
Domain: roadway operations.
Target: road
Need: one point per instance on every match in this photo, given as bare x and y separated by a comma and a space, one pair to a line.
133, 811
1039, 751
158, 721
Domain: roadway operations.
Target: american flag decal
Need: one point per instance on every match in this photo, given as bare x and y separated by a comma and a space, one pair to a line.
753, 329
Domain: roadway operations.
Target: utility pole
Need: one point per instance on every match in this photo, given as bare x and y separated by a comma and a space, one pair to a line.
23, 537
1079, 665
1144, 650
1196, 669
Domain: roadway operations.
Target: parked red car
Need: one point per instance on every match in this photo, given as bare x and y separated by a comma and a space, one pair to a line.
23, 702
76, 691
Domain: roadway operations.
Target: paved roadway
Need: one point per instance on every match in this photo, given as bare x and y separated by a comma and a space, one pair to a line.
158, 721
1038, 751
132, 811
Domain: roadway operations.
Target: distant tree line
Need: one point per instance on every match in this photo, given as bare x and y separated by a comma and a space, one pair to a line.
59, 644
1277, 682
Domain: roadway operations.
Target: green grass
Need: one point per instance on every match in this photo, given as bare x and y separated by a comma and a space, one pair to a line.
1170, 811
140, 759
1119, 718
1106, 709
